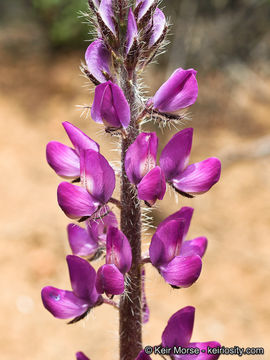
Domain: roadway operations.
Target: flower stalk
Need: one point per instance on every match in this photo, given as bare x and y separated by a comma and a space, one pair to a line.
129, 35
130, 314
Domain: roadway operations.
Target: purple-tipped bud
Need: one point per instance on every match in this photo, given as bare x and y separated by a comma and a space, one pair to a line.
80, 356
80, 241
118, 250
132, 31
143, 356
75, 201
110, 106
110, 280
193, 179
65, 304
178, 92
98, 60
158, 27
152, 187
144, 7
107, 15
97, 176
141, 157
64, 160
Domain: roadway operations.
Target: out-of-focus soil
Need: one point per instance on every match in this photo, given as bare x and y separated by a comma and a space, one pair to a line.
232, 294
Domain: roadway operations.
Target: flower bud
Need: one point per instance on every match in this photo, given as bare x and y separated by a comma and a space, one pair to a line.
178, 92
141, 157
110, 106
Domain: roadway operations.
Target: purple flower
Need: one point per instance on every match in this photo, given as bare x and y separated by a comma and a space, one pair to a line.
75, 201
80, 356
110, 106
143, 356
158, 27
98, 60
118, 250
141, 169
178, 261
178, 332
98, 179
152, 186
178, 92
110, 280
64, 304
141, 156
193, 179
87, 242
132, 31
110, 277
65, 160
97, 176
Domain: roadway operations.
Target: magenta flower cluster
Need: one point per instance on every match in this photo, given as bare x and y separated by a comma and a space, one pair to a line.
177, 260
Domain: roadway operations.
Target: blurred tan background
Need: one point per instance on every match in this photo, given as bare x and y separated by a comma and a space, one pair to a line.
41, 47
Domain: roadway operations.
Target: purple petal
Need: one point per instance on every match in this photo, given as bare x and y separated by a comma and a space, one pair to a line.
98, 228
175, 155
141, 157
182, 271
79, 139
146, 5
166, 242
178, 92
145, 307
199, 177
110, 106
159, 24
143, 356
179, 328
132, 31
63, 304
202, 355
106, 12
81, 243
98, 60
75, 201
97, 176
152, 186
80, 356
118, 250
185, 213
82, 278
194, 247
110, 280
64, 160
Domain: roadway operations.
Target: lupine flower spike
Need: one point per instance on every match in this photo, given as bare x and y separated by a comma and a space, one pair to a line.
130, 34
